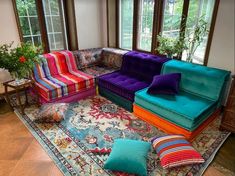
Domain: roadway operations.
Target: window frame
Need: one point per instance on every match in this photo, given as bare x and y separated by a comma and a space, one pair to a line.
69, 26
157, 25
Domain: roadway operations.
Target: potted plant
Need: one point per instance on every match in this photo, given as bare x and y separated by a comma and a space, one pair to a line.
170, 46
193, 38
19, 61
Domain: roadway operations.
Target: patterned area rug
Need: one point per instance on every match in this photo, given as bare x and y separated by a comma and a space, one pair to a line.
81, 143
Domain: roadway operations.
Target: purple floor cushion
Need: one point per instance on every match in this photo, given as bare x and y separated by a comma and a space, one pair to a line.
121, 84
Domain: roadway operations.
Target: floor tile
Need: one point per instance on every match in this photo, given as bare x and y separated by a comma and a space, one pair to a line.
35, 168
35, 152
13, 148
6, 166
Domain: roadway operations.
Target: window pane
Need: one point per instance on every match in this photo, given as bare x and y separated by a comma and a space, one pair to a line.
24, 24
172, 17
59, 43
126, 23
199, 9
34, 25
29, 23
145, 24
37, 40
55, 24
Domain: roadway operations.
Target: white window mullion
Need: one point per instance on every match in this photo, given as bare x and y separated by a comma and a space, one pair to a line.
30, 29
52, 25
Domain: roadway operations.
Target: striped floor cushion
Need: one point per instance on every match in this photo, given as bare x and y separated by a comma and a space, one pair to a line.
175, 150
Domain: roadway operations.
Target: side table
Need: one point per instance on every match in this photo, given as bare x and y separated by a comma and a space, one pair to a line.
18, 86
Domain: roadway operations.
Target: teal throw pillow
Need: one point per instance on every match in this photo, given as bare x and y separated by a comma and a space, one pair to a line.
128, 156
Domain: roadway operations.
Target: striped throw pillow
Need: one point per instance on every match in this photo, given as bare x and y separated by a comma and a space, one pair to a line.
175, 150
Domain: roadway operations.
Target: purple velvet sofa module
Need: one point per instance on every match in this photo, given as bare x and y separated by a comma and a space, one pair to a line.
136, 73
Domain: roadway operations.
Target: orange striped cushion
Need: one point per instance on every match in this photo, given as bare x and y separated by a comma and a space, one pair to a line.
175, 150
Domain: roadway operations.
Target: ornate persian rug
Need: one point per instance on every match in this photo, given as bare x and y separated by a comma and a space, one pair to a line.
81, 143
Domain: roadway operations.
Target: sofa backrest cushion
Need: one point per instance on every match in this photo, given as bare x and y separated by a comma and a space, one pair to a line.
112, 57
87, 57
55, 63
141, 65
200, 80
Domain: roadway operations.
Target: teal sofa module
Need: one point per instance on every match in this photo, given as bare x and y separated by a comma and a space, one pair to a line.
201, 91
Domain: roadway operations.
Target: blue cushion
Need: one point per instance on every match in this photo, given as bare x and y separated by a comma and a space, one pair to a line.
202, 81
128, 156
184, 109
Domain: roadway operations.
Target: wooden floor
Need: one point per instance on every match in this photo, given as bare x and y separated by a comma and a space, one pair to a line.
22, 155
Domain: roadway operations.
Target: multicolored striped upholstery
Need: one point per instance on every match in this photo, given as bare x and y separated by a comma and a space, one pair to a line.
175, 150
57, 76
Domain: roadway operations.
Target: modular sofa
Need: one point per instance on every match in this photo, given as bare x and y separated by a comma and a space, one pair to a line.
58, 79
136, 73
188, 112
67, 76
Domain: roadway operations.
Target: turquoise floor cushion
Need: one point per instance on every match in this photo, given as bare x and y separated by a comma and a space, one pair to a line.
129, 156
184, 109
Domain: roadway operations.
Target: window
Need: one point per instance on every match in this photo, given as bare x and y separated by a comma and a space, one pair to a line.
172, 18
31, 19
145, 24
198, 9
154, 17
54, 23
126, 23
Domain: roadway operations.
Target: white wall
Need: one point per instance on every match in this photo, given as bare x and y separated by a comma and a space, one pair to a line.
91, 23
8, 31
222, 47
8, 26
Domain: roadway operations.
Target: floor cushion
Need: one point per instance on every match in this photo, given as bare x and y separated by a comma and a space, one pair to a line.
128, 156
184, 109
175, 150
52, 112
121, 84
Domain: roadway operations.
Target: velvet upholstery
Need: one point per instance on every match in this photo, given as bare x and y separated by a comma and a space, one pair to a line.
165, 84
184, 109
121, 101
200, 80
201, 89
136, 73
121, 84
142, 66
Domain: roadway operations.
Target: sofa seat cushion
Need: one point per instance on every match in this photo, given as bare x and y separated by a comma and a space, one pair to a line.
121, 84
184, 109
98, 70
66, 84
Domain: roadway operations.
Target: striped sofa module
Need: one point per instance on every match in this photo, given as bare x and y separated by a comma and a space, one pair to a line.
58, 79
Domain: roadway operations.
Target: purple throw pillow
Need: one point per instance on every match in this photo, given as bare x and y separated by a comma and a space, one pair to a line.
165, 84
